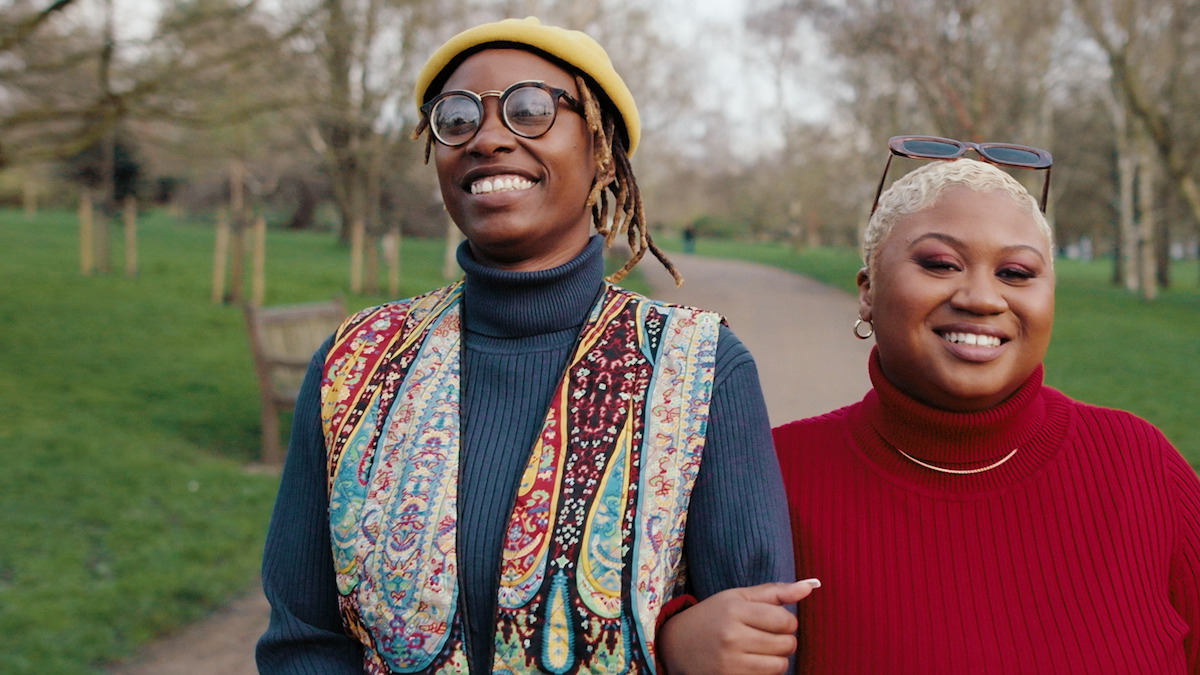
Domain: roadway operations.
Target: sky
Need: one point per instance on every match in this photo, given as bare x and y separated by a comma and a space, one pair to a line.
712, 28
716, 28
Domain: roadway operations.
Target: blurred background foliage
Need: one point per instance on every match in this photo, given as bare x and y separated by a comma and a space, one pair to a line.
765, 118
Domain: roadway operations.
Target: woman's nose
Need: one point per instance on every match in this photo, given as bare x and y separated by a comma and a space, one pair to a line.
493, 136
980, 293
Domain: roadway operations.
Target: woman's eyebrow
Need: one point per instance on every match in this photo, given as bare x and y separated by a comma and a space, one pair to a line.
960, 244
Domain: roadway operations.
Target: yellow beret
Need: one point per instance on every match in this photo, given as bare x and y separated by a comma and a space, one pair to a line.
573, 47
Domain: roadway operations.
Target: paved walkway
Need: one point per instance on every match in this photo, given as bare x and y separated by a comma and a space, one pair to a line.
797, 329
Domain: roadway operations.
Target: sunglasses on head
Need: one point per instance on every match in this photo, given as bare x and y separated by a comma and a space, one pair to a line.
527, 109
935, 147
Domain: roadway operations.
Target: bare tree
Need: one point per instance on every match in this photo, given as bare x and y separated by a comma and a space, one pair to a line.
364, 56
1153, 52
69, 85
22, 20
971, 69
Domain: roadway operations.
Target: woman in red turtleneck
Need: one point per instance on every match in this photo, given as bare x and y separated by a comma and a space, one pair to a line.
963, 517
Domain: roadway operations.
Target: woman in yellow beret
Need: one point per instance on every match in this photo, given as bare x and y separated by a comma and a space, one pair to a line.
512, 473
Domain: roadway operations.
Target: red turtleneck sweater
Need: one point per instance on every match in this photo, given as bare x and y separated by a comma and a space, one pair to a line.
1080, 554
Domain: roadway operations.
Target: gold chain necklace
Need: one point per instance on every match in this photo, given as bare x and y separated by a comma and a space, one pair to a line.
959, 472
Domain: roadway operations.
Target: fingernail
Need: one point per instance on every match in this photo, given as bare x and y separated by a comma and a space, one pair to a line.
815, 583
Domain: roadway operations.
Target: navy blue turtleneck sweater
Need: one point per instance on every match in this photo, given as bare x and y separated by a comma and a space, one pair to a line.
519, 328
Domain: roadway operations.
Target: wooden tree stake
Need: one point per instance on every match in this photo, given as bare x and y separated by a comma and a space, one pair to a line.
237, 261
371, 266
30, 198
131, 248
357, 237
220, 258
87, 244
391, 254
103, 243
258, 252
450, 262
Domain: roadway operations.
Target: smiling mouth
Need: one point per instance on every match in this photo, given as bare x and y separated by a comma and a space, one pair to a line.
494, 184
972, 339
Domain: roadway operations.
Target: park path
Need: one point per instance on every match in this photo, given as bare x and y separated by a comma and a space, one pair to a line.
797, 329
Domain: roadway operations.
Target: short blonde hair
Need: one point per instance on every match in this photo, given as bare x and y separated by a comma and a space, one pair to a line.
920, 189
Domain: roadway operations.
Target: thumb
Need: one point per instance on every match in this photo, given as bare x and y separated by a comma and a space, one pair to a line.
781, 594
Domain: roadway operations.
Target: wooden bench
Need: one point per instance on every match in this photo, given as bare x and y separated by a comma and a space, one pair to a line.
282, 341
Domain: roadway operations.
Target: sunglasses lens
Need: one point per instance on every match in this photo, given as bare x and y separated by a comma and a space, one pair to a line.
455, 119
529, 110
924, 147
1012, 156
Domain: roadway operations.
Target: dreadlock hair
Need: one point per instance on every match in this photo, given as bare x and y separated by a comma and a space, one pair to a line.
628, 215
610, 158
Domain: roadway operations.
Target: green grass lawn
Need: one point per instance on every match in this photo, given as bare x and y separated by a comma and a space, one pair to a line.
130, 416
1109, 347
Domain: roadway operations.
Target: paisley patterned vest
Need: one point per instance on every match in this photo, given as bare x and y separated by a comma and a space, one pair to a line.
594, 544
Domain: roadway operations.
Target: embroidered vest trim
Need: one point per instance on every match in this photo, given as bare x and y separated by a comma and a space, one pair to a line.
594, 545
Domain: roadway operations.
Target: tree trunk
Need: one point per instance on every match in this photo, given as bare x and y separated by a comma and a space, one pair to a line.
103, 245
1119, 254
357, 242
220, 259
306, 207
1148, 226
1162, 253
237, 262
258, 267
108, 160
1124, 265
30, 198
371, 266
131, 249
237, 189
1127, 223
237, 221
347, 193
450, 261
391, 252
87, 246
372, 193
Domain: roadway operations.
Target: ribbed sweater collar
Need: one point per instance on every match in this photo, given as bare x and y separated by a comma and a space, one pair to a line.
504, 304
1029, 421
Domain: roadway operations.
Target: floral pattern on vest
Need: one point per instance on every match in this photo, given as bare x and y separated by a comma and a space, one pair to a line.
594, 545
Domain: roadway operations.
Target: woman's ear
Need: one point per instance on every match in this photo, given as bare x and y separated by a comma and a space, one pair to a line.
863, 279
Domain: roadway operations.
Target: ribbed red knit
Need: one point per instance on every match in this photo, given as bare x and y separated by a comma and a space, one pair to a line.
1081, 554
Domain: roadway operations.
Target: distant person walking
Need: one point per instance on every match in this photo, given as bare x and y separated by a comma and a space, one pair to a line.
689, 238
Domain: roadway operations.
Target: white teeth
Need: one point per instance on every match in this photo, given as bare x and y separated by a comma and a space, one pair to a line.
972, 339
500, 184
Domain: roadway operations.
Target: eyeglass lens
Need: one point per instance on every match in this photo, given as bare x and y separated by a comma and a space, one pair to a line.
931, 148
1015, 156
935, 149
527, 110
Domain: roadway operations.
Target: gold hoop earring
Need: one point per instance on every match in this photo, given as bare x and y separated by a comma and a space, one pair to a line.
863, 322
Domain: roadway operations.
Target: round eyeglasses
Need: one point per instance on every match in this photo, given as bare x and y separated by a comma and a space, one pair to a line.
1001, 154
527, 109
